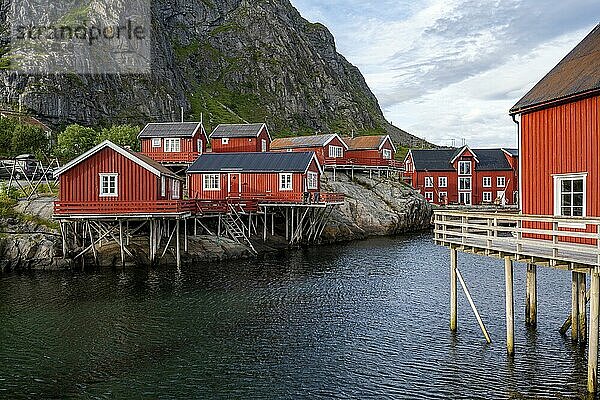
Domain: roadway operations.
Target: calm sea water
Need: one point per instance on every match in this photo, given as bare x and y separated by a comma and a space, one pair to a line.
360, 320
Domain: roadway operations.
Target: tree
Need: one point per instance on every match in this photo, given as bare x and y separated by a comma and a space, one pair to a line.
74, 141
29, 139
7, 127
123, 135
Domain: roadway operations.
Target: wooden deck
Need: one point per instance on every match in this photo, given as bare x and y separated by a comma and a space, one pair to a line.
363, 163
542, 240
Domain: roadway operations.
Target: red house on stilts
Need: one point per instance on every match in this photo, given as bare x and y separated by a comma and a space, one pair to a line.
330, 148
173, 142
230, 138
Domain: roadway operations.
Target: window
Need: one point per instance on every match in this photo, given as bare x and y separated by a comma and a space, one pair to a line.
336, 152
408, 166
464, 183
429, 196
263, 145
199, 146
464, 167
443, 196
443, 181
500, 181
108, 185
285, 181
428, 181
211, 182
176, 189
570, 195
501, 196
312, 181
464, 198
387, 154
156, 142
225, 141
487, 197
172, 145
163, 186
487, 182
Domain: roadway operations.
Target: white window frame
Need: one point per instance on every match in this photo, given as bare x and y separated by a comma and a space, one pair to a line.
558, 179
163, 186
224, 141
487, 182
501, 181
466, 179
172, 145
470, 202
312, 180
286, 182
442, 195
442, 181
487, 197
176, 190
460, 168
429, 196
109, 193
263, 145
156, 142
387, 154
211, 182
336, 151
199, 146
429, 181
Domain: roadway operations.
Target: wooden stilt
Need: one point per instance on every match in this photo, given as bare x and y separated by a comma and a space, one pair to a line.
582, 289
177, 244
287, 224
531, 296
265, 225
273, 223
453, 290
593, 342
121, 243
574, 305
510, 307
472, 303
185, 236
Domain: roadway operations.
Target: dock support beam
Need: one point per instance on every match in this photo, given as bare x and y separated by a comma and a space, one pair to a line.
593, 342
574, 305
510, 307
531, 296
453, 290
582, 289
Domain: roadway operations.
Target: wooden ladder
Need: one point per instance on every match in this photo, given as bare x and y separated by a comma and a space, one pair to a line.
234, 227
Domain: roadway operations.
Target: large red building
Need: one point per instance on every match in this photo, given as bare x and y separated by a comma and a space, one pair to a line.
464, 176
329, 148
370, 148
229, 138
173, 142
109, 179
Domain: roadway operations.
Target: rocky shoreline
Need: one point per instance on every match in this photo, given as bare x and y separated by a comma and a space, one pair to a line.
374, 207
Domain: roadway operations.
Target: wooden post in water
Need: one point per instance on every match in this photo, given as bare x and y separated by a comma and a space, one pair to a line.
593, 342
453, 289
574, 305
510, 307
177, 244
531, 296
582, 289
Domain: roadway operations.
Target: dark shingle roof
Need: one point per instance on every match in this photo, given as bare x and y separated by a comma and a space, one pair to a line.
512, 152
252, 162
366, 142
154, 164
439, 160
170, 129
577, 74
302, 141
237, 130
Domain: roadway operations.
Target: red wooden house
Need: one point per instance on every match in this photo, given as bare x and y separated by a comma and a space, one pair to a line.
464, 176
173, 142
276, 177
371, 151
229, 138
559, 136
330, 148
111, 180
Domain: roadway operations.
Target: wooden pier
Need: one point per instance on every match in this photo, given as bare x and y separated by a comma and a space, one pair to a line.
570, 244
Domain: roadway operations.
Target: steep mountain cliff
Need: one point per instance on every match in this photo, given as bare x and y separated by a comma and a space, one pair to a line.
231, 60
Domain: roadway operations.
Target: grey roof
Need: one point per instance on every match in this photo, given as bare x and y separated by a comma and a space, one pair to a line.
170, 129
439, 159
237, 130
252, 162
302, 141
512, 152
155, 164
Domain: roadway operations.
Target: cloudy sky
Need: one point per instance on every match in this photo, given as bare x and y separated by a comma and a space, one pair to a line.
451, 69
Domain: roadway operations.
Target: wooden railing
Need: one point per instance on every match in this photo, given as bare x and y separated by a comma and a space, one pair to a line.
124, 207
363, 162
181, 157
559, 241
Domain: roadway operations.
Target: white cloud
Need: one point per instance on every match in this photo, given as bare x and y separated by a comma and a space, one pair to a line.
445, 69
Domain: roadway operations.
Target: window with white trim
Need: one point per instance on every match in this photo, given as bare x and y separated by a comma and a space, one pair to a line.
199, 146
156, 142
387, 154
570, 195
336, 152
501, 181
172, 145
176, 189
443, 196
464, 167
285, 182
163, 186
487, 182
312, 180
464, 198
464, 183
501, 196
109, 185
408, 166
225, 141
487, 197
211, 182
443, 181
263, 145
429, 181
429, 196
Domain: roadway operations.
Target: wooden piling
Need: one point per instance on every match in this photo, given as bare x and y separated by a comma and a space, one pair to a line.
177, 244
510, 307
582, 289
531, 296
472, 304
453, 290
574, 305
593, 339
121, 243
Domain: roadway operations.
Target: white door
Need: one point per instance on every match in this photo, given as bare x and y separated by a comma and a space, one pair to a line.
464, 198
